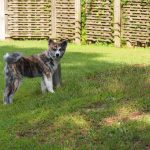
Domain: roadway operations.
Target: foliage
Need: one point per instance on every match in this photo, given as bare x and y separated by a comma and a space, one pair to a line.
124, 2
146, 1
83, 21
104, 102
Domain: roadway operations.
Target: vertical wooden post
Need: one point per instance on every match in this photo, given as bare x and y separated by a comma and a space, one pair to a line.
2, 20
129, 44
77, 21
57, 77
6, 20
117, 23
53, 18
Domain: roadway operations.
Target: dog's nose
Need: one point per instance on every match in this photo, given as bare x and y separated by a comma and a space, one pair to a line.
57, 55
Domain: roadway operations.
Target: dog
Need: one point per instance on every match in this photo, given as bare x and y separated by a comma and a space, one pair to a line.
40, 65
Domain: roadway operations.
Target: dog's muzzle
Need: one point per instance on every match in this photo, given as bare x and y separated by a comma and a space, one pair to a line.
57, 55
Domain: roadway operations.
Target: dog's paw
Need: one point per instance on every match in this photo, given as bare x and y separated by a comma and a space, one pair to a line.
52, 91
5, 103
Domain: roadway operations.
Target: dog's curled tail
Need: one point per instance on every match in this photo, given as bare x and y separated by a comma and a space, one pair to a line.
12, 58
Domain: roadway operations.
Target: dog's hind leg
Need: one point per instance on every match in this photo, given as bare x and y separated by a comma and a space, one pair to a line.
48, 82
10, 89
11, 85
8, 94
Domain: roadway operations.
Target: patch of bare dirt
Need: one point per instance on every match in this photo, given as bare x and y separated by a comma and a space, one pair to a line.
119, 118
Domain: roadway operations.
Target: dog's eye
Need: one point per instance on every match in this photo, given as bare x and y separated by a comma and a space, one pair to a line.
54, 49
60, 49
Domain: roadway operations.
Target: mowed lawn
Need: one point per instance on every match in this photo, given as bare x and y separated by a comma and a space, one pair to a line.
103, 104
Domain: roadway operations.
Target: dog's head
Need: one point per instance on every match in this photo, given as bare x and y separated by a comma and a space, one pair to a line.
56, 50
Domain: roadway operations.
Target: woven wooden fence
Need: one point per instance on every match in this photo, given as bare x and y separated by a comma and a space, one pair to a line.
41, 19
105, 21
29, 18
65, 19
136, 23
99, 21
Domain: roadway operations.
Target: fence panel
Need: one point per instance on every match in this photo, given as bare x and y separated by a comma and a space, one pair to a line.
61, 19
99, 20
136, 23
65, 19
29, 18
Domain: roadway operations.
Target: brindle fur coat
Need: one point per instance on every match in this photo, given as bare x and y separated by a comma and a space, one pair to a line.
40, 65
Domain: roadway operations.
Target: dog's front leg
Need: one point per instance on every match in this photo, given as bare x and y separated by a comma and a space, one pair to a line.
49, 82
43, 86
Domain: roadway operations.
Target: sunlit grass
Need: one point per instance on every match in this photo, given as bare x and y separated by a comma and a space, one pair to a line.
104, 101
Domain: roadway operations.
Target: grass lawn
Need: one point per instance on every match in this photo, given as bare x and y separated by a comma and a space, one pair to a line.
104, 102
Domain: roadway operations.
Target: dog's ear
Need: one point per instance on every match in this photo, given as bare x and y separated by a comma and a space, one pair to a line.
64, 44
50, 42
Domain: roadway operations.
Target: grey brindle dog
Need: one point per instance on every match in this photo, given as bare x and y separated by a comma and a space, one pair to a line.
40, 65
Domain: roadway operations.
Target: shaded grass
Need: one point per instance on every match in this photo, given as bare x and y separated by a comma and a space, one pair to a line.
104, 102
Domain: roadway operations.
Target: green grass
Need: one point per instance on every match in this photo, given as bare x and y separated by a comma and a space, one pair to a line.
104, 102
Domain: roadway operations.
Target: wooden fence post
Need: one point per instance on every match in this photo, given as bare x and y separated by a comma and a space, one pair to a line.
6, 20
77, 21
2, 19
129, 44
53, 19
117, 23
